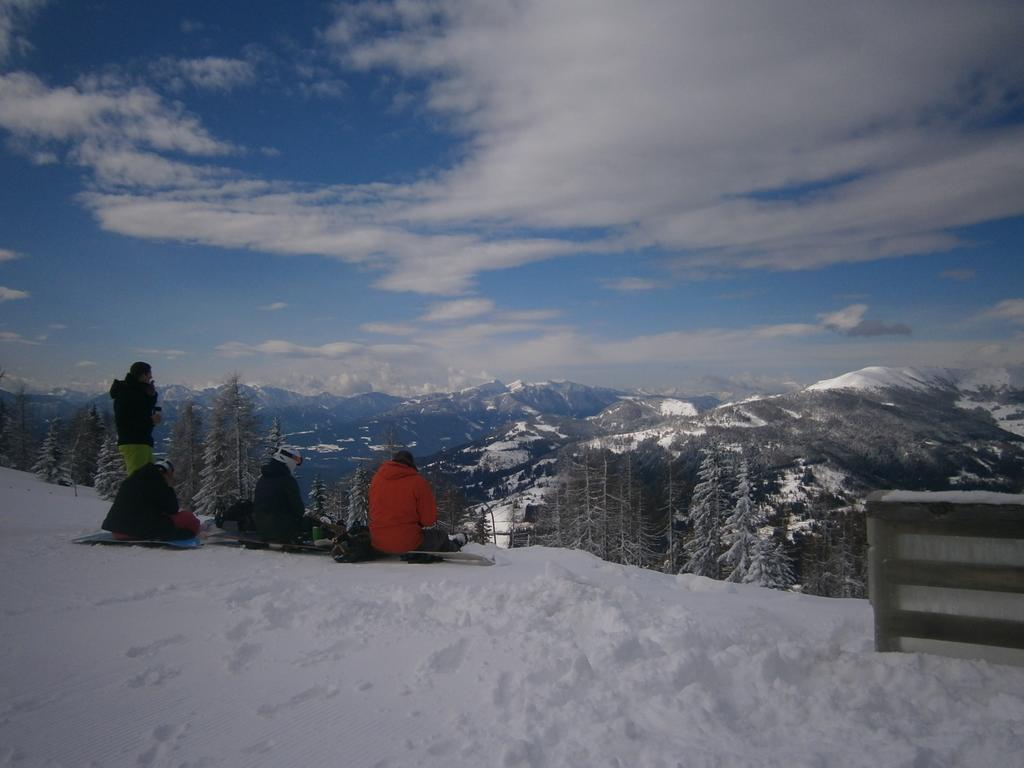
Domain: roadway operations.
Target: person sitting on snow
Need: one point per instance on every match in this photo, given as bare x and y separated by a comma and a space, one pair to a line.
402, 511
278, 510
146, 507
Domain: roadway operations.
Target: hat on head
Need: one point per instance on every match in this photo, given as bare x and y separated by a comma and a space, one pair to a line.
404, 457
165, 466
289, 456
139, 368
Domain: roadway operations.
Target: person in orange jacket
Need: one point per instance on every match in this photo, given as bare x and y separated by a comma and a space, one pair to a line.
403, 511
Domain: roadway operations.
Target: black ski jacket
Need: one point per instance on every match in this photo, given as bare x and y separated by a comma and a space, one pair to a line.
144, 506
277, 504
133, 411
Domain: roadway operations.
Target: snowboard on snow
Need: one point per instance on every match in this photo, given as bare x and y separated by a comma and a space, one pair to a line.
436, 557
253, 542
106, 537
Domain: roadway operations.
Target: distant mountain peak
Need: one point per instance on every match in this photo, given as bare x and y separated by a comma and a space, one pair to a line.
875, 378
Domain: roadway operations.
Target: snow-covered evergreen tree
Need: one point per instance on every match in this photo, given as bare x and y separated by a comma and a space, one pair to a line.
770, 565
274, 439
709, 504
109, 468
87, 434
4, 460
318, 498
185, 450
52, 463
741, 531
229, 470
480, 530
586, 499
358, 498
337, 501
18, 435
672, 509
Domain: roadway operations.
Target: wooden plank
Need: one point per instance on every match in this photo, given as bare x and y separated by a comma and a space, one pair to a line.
956, 629
1002, 515
975, 529
880, 589
931, 573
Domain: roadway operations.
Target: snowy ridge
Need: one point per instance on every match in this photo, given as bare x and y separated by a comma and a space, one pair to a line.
551, 658
921, 379
877, 378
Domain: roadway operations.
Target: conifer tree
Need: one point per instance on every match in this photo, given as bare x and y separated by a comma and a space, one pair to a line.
741, 531
554, 527
585, 501
229, 471
18, 435
710, 501
770, 565
52, 462
318, 498
4, 460
337, 497
672, 510
480, 525
109, 468
87, 434
358, 499
185, 450
274, 439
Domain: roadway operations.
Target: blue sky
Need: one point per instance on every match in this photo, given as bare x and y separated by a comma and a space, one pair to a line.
412, 196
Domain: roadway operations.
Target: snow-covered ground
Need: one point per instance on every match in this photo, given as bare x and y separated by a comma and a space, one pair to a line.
216, 657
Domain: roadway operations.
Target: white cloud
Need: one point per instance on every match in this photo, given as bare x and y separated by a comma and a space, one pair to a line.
15, 338
107, 112
7, 255
844, 319
14, 14
461, 309
170, 354
274, 306
389, 329
10, 294
278, 347
850, 322
739, 136
630, 284
776, 136
1009, 309
213, 73
85, 364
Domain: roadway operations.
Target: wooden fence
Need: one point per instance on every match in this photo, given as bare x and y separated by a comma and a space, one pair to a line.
946, 573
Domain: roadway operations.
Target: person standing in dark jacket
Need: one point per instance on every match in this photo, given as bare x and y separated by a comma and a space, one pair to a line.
277, 504
146, 507
135, 415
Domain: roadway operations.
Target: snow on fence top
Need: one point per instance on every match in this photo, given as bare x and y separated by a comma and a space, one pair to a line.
947, 497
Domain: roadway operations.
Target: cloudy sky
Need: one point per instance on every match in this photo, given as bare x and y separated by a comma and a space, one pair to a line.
426, 194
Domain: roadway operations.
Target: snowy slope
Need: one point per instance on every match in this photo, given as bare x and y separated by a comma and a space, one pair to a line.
216, 657
876, 378
921, 379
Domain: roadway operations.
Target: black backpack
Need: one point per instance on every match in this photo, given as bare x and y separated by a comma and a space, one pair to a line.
239, 516
354, 546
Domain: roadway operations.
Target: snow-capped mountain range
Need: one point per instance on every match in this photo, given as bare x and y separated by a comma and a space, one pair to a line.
915, 428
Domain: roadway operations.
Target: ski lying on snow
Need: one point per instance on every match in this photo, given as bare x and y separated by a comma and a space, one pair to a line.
106, 537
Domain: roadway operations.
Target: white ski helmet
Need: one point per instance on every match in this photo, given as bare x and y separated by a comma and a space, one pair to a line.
289, 456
